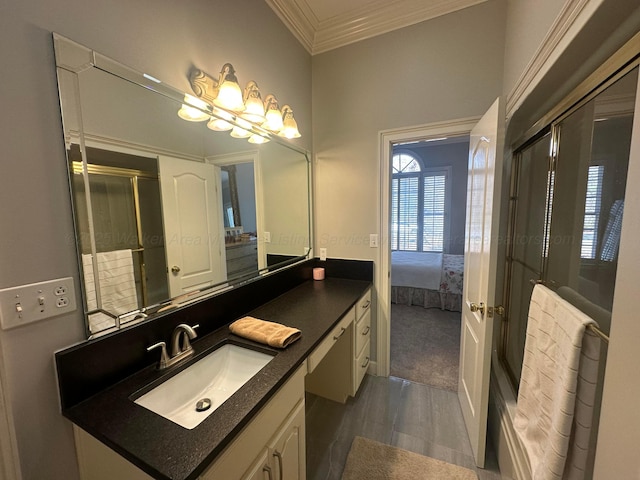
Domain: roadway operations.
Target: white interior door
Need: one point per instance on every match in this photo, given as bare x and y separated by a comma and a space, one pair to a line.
483, 196
193, 224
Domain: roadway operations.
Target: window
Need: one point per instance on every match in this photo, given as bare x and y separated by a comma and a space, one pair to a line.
593, 200
419, 205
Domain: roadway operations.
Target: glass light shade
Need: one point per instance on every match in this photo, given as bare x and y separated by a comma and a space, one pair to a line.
192, 109
230, 96
220, 124
290, 126
274, 120
258, 139
242, 129
254, 110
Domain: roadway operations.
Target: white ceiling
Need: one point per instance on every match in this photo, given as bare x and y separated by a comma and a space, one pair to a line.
322, 25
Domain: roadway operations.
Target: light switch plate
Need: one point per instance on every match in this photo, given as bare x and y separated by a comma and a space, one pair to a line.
373, 240
36, 301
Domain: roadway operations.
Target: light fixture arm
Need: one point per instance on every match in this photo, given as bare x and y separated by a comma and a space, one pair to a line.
204, 85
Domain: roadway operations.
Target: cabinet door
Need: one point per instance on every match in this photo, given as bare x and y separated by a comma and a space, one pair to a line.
261, 470
287, 449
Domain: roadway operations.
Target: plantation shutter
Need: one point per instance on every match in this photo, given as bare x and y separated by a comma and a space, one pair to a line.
433, 213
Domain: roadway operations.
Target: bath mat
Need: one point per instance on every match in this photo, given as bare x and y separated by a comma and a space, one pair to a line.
375, 461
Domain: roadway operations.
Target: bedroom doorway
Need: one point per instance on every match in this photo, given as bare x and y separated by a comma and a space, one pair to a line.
435, 132
426, 232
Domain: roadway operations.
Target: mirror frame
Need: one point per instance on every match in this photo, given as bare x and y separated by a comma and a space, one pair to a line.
71, 59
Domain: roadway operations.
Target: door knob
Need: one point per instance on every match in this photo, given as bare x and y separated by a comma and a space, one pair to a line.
175, 269
474, 307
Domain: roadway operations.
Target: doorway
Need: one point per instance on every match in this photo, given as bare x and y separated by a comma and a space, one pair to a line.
427, 205
455, 129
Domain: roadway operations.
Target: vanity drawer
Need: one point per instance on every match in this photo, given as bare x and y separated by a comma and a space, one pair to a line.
364, 304
321, 350
360, 367
363, 331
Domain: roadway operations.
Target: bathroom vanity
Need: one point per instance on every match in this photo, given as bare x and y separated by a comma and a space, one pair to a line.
259, 429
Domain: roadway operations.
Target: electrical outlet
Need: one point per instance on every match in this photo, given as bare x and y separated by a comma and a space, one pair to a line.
323, 254
36, 301
60, 290
62, 302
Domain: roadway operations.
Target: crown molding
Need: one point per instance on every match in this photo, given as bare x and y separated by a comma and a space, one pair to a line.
572, 17
381, 17
376, 18
299, 19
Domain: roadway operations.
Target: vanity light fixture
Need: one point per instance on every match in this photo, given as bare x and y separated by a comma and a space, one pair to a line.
289, 124
243, 112
193, 109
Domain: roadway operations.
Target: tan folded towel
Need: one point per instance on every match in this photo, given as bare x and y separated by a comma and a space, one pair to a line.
270, 333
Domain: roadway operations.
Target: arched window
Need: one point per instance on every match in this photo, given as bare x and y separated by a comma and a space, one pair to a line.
419, 206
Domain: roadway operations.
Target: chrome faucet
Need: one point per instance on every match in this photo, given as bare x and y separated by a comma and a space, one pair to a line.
180, 345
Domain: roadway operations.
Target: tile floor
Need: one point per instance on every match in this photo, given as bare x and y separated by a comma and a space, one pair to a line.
409, 415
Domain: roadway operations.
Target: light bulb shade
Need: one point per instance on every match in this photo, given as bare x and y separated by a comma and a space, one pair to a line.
273, 114
192, 109
254, 108
290, 126
219, 121
258, 139
229, 93
242, 129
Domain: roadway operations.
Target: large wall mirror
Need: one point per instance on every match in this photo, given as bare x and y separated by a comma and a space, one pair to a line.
166, 210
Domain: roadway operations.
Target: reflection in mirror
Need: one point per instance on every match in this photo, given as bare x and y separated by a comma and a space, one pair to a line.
166, 210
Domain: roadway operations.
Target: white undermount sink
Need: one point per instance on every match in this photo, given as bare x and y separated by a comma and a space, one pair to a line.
192, 395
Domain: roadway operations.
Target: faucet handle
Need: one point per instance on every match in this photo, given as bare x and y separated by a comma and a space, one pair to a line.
164, 357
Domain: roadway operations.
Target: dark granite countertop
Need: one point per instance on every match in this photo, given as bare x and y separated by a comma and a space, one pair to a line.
166, 450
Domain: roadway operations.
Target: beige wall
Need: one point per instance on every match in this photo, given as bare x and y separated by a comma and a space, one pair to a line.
442, 69
527, 24
162, 38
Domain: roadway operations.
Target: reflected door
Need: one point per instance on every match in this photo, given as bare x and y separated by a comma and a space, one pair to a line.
483, 196
194, 229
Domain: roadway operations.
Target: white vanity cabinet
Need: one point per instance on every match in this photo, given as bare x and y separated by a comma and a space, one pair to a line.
361, 341
270, 447
338, 365
282, 459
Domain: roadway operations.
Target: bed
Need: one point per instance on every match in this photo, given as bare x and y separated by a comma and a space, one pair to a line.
427, 279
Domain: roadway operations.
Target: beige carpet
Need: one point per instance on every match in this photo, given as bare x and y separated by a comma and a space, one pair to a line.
425, 345
369, 460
